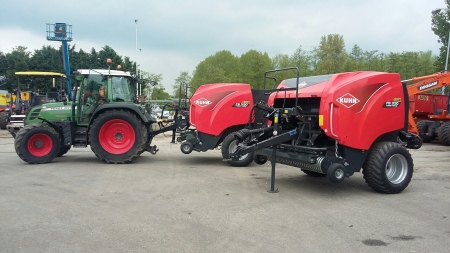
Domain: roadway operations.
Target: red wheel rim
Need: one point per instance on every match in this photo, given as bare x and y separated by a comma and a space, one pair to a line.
117, 136
40, 145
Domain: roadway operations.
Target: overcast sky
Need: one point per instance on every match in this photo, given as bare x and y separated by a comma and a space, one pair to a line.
175, 36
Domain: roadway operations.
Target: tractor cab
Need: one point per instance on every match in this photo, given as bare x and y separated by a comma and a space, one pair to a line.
103, 86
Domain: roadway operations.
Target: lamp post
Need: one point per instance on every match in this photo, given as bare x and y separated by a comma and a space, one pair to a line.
137, 94
135, 21
140, 70
434, 12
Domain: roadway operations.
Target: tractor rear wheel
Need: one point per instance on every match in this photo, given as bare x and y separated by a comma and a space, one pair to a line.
422, 127
229, 145
3, 119
37, 143
444, 133
388, 167
117, 136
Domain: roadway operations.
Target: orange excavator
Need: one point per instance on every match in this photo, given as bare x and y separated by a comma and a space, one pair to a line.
435, 125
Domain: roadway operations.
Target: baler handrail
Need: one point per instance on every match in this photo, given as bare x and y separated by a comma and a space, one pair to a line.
283, 69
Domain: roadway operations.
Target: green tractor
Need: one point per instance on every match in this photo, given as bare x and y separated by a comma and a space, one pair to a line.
104, 113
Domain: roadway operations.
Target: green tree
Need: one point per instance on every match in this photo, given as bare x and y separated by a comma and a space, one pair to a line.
281, 61
332, 55
149, 81
184, 80
108, 53
46, 59
302, 60
218, 68
94, 60
355, 60
159, 93
253, 65
3, 64
127, 64
440, 25
17, 60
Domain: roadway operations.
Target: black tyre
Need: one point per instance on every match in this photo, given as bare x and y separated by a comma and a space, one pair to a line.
117, 136
63, 150
230, 145
313, 173
422, 127
336, 173
444, 133
37, 143
3, 119
388, 167
260, 159
186, 147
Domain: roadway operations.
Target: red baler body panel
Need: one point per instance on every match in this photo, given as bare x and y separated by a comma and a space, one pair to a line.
357, 107
216, 107
422, 105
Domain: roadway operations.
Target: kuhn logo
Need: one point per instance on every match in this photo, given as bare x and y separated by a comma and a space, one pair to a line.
348, 100
202, 102
428, 85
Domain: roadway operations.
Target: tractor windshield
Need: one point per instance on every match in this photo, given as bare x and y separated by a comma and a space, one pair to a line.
121, 89
95, 85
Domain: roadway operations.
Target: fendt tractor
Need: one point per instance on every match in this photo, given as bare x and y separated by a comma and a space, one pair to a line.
329, 125
104, 113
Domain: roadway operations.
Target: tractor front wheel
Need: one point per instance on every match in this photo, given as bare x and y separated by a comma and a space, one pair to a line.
388, 167
444, 133
117, 136
3, 119
37, 143
230, 145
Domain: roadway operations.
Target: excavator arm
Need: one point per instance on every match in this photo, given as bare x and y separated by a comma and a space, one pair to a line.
424, 84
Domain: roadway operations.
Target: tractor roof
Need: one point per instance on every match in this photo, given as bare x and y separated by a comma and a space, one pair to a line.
104, 72
39, 73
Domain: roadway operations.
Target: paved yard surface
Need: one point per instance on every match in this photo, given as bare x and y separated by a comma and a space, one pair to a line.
171, 202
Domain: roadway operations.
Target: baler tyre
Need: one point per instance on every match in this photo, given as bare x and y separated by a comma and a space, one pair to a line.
313, 173
388, 167
230, 145
117, 136
260, 159
336, 173
63, 150
422, 127
186, 147
37, 143
444, 133
3, 119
